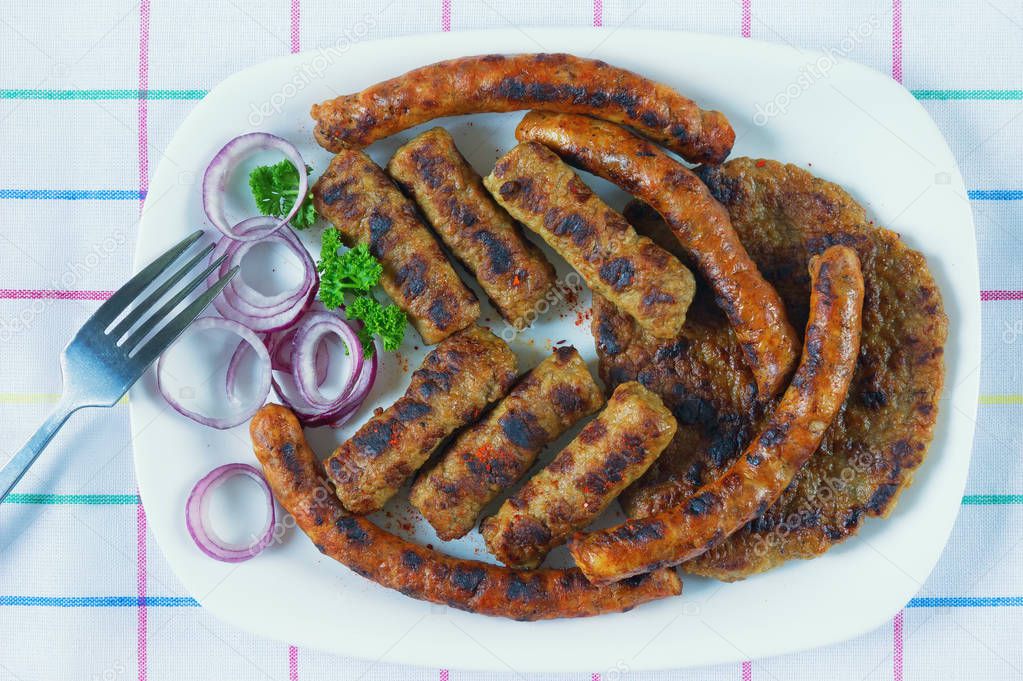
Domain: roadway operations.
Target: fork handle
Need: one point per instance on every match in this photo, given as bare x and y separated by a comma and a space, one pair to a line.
12, 472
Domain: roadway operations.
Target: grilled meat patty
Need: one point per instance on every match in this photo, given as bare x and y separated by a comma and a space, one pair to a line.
358, 197
494, 453
511, 270
583, 479
547, 196
758, 477
455, 382
783, 216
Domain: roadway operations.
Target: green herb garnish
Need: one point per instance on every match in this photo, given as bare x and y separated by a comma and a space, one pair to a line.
386, 321
353, 274
275, 189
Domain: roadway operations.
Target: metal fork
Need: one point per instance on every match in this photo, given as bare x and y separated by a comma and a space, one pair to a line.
101, 363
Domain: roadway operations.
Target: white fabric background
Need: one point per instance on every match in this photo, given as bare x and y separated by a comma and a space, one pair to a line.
75, 566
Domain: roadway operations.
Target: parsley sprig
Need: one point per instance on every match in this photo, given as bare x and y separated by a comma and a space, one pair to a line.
353, 273
275, 189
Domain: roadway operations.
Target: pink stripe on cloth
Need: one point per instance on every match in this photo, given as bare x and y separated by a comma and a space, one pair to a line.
598, 13
142, 644
296, 26
747, 666
1001, 295
292, 656
897, 646
747, 18
445, 15
443, 676
897, 40
143, 623
595, 677
48, 294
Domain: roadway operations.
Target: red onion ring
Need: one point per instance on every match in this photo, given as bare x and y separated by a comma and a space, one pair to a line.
285, 362
197, 515
244, 304
309, 335
231, 378
245, 409
339, 415
214, 182
251, 301
281, 346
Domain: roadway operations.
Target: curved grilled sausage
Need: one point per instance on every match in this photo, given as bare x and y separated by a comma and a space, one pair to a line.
298, 486
764, 470
701, 224
496, 83
511, 270
451, 387
611, 452
630, 270
360, 200
497, 451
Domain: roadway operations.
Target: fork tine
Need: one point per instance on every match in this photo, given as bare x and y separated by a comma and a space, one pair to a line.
136, 312
174, 328
115, 305
145, 327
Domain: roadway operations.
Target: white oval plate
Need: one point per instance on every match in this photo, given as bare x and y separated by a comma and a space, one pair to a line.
844, 122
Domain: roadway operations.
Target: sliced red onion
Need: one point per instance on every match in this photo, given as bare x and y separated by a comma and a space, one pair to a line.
244, 304
343, 410
363, 384
231, 379
281, 346
288, 362
251, 301
197, 515
218, 173
246, 409
309, 337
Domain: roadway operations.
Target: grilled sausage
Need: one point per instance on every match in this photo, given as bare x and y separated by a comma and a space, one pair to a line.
754, 309
583, 479
766, 467
357, 196
298, 486
455, 382
497, 451
554, 82
631, 271
512, 271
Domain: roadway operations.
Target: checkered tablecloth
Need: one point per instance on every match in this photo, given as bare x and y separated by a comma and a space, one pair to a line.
91, 92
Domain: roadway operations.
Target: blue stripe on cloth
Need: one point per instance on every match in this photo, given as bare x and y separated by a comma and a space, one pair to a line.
996, 194
966, 602
187, 602
135, 195
100, 601
74, 194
